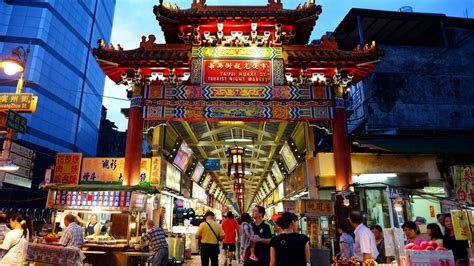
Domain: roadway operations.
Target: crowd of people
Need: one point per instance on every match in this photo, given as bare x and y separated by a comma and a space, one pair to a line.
368, 243
250, 234
256, 238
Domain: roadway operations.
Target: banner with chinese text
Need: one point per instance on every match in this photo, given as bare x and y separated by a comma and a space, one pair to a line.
110, 171
67, 168
243, 72
463, 178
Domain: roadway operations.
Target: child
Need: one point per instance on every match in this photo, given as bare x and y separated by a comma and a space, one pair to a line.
247, 235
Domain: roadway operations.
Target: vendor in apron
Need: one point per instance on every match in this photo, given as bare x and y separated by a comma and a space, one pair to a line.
92, 227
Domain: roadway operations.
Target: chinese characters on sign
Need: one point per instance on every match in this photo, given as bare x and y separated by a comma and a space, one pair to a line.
110, 171
67, 168
115, 200
24, 102
16, 122
237, 71
316, 207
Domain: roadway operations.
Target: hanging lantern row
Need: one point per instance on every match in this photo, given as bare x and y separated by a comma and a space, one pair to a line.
237, 38
168, 77
318, 78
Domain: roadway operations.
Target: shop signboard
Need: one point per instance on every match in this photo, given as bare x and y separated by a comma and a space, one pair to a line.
155, 170
16, 122
463, 177
277, 173
281, 191
461, 224
212, 165
312, 208
67, 168
20, 102
186, 186
271, 183
276, 195
23, 151
288, 206
16, 179
183, 157
138, 202
288, 157
245, 72
198, 171
109, 170
173, 178
106, 200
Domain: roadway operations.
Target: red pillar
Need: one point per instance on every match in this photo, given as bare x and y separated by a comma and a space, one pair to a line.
341, 146
133, 148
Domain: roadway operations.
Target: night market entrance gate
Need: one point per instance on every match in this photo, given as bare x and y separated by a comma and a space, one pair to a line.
236, 69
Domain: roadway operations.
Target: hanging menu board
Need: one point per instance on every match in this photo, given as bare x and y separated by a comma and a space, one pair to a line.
288, 158
271, 183
107, 200
277, 173
138, 202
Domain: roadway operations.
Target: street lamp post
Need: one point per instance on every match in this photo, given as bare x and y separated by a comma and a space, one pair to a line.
16, 64
12, 65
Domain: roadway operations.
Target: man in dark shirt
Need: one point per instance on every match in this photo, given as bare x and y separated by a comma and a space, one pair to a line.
263, 232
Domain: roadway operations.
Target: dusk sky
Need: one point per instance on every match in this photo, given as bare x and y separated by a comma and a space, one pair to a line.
134, 18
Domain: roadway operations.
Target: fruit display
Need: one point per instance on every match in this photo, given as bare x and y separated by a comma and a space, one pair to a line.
425, 245
52, 237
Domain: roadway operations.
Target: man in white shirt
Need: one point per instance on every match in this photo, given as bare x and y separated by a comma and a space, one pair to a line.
365, 247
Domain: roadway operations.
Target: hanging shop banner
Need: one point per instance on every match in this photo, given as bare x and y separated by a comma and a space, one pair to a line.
67, 168
155, 170
102, 170
463, 177
245, 72
145, 169
461, 224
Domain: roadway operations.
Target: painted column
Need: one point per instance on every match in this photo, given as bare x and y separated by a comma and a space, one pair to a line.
341, 144
133, 148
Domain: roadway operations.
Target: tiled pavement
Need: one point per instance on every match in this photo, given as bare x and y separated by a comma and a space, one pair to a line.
196, 261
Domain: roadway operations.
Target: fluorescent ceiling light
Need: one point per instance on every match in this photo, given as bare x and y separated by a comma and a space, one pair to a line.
238, 140
373, 178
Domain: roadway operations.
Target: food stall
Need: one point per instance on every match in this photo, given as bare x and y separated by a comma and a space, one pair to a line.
127, 208
316, 222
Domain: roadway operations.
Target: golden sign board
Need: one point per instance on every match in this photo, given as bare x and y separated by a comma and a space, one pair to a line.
22, 102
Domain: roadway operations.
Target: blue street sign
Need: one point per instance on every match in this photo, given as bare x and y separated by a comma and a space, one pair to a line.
212, 165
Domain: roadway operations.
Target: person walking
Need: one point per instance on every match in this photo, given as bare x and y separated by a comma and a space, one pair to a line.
435, 233
346, 242
73, 235
377, 231
231, 230
365, 247
210, 233
247, 234
413, 233
157, 241
289, 247
16, 241
263, 232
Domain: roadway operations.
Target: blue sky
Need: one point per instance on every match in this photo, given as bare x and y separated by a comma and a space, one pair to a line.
134, 18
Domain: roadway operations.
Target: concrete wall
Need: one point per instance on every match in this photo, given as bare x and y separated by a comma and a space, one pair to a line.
423, 87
